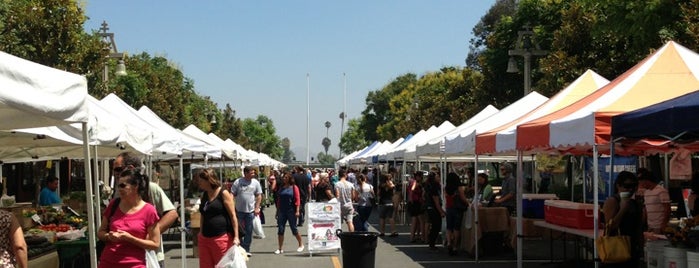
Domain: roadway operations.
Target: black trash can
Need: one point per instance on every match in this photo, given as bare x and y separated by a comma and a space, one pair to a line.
358, 249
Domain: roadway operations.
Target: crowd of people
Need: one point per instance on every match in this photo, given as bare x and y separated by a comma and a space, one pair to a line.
140, 211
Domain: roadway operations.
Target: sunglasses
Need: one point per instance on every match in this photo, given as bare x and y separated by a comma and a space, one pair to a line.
122, 185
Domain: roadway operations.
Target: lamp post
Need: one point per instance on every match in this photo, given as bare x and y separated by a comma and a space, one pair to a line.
523, 47
108, 38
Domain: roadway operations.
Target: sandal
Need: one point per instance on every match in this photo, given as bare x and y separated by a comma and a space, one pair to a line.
382, 234
394, 234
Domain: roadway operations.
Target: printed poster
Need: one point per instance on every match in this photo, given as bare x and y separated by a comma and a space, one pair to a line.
323, 219
621, 163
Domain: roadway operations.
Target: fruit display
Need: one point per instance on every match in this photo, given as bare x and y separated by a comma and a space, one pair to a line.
75, 221
52, 227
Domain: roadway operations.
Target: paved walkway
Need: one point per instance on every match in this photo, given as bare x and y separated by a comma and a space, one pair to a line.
391, 252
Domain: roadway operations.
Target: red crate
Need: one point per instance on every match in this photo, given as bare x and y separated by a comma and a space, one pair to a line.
569, 214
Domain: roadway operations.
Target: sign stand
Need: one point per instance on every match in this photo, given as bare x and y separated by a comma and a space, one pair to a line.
323, 219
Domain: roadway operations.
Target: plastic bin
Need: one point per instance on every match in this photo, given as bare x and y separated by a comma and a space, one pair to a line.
533, 205
358, 248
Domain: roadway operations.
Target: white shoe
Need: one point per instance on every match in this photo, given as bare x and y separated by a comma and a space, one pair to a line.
300, 249
278, 251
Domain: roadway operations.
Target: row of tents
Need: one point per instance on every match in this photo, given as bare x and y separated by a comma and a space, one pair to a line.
47, 114
648, 109
570, 122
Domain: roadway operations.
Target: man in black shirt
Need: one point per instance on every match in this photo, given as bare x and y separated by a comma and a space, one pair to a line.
302, 182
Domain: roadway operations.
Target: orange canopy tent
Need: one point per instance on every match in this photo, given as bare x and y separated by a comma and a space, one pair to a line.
671, 71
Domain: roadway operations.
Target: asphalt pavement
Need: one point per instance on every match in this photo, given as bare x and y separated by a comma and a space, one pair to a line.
391, 252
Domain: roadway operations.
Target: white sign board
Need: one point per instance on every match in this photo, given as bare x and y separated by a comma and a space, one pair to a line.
323, 219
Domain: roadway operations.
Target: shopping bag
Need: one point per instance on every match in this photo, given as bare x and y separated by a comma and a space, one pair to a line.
468, 217
235, 258
257, 231
613, 249
152, 259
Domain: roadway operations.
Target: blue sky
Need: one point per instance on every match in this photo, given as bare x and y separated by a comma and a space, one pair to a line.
256, 55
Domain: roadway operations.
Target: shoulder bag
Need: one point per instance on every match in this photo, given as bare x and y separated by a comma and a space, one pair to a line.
613, 249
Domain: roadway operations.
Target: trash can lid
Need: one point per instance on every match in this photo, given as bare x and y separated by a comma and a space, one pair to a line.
357, 234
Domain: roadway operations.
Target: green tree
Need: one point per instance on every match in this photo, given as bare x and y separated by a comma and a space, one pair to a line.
353, 139
378, 111
325, 159
261, 136
326, 144
51, 33
288, 155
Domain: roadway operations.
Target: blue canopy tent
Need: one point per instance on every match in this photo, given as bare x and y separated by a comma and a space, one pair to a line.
672, 120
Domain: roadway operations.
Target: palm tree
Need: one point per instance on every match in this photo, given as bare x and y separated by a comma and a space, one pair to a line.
326, 143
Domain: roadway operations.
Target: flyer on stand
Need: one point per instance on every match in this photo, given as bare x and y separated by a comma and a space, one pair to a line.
323, 220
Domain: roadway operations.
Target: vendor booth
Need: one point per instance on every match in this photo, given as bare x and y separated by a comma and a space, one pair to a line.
33, 95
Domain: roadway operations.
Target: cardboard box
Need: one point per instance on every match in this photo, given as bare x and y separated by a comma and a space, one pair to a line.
569, 214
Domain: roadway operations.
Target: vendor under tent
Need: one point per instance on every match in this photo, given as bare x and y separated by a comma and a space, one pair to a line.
34, 95
502, 140
584, 127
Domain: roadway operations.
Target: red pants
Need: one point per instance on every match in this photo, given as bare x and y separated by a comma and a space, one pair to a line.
212, 249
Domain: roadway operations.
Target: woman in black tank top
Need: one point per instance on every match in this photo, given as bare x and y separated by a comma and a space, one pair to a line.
219, 225
624, 215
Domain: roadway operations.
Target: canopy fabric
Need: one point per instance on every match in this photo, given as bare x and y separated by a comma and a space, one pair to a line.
408, 148
671, 71
504, 138
435, 146
240, 150
53, 142
197, 133
34, 95
410, 152
463, 142
142, 135
674, 118
345, 160
184, 142
365, 157
381, 156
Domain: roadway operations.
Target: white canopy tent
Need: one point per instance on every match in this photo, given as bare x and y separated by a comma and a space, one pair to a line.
33, 95
156, 140
464, 142
185, 143
435, 146
394, 145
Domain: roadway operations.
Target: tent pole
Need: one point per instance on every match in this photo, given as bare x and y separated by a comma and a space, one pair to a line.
477, 203
90, 199
666, 161
595, 197
520, 187
183, 242
98, 194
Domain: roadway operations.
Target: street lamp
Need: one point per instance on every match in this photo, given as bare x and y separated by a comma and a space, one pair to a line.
524, 48
108, 38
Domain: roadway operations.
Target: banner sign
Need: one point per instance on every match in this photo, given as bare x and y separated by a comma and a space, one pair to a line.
323, 219
621, 163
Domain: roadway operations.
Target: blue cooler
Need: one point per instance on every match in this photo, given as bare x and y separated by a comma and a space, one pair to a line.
533, 205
